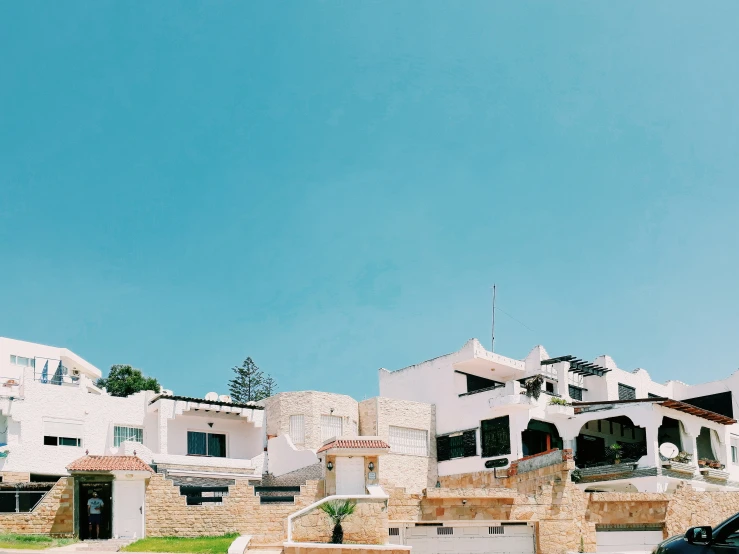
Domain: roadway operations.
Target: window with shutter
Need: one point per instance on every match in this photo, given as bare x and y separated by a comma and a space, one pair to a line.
626, 392
495, 436
331, 426
575, 392
408, 441
470, 443
297, 429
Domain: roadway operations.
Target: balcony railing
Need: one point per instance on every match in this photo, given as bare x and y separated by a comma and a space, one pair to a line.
57, 377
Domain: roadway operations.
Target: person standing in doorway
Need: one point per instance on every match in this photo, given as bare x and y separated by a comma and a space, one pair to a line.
94, 514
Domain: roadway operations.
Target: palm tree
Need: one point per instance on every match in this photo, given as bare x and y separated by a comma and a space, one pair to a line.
337, 511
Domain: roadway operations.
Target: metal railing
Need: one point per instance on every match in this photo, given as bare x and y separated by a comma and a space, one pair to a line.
57, 377
20, 501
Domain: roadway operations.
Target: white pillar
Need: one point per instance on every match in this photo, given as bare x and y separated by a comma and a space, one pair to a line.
652, 429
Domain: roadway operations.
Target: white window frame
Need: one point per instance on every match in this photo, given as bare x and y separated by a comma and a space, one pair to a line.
129, 428
328, 426
734, 443
407, 440
297, 429
31, 361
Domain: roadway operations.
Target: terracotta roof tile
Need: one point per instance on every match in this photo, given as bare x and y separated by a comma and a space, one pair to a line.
354, 443
109, 463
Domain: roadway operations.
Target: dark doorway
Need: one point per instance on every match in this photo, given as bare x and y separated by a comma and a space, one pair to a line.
590, 450
104, 492
538, 437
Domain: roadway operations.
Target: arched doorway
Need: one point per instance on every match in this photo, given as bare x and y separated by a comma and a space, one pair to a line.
539, 436
608, 441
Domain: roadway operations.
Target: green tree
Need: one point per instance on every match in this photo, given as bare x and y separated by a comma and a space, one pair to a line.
269, 386
337, 511
124, 380
250, 383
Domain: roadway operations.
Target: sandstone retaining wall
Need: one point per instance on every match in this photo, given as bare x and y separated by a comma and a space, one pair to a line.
367, 525
54, 515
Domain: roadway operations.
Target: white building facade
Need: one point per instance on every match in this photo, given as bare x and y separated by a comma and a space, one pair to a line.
614, 421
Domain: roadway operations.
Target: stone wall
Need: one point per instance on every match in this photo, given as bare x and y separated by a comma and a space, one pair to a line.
168, 514
312, 405
414, 473
367, 525
15, 476
54, 515
688, 508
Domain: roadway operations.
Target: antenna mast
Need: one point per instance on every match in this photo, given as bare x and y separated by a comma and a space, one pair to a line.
492, 341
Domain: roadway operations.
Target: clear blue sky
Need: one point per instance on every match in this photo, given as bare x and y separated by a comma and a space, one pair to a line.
333, 187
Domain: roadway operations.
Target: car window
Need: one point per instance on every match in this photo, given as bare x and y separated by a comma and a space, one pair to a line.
729, 534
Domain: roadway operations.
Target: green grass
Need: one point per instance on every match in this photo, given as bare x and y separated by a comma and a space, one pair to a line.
32, 542
195, 545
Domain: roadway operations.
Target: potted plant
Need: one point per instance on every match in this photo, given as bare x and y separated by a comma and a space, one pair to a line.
615, 451
714, 464
337, 511
558, 401
683, 457
533, 386
703, 462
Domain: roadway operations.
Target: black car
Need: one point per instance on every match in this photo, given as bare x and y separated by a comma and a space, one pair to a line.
722, 539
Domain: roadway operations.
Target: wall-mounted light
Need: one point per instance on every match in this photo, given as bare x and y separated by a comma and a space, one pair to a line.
210, 424
371, 466
464, 501
330, 466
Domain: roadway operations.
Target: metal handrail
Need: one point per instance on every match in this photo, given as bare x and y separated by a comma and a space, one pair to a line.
313, 506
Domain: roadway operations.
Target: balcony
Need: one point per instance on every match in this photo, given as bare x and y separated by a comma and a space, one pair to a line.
511, 396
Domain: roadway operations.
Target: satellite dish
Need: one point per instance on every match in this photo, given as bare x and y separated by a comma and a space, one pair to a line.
225, 398
212, 396
668, 450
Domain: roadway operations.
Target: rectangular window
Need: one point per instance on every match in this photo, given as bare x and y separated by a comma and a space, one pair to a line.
626, 392
20, 360
122, 434
495, 437
62, 441
331, 426
575, 392
459, 445
206, 444
297, 429
409, 441
549, 387
734, 440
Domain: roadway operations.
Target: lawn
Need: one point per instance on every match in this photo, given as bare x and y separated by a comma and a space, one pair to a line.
31, 542
195, 545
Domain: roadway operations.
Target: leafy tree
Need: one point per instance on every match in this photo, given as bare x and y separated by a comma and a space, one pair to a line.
124, 380
269, 386
337, 511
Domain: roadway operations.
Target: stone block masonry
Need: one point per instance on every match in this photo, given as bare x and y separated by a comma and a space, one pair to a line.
240, 512
54, 515
367, 525
344, 549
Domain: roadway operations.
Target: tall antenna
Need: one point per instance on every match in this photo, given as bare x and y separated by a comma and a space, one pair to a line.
492, 341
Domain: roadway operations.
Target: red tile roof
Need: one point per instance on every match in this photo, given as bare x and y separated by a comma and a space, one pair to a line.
109, 463
355, 443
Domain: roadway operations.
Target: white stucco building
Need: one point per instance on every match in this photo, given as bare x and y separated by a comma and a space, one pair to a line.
483, 414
